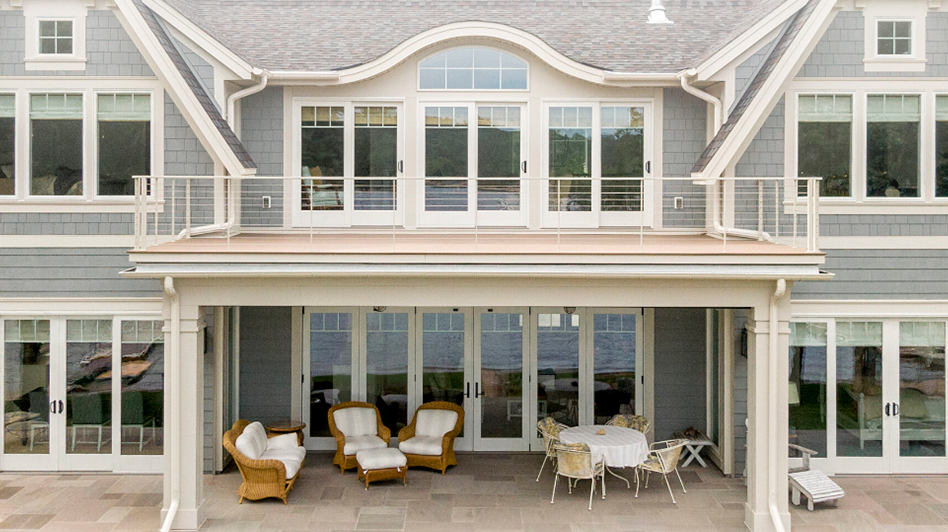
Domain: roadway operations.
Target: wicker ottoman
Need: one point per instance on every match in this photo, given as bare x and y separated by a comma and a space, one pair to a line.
381, 464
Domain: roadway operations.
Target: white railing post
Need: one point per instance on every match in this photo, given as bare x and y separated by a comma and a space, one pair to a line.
776, 209
796, 197
473, 183
158, 183
187, 207
174, 183
559, 209
724, 213
760, 209
136, 184
813, 216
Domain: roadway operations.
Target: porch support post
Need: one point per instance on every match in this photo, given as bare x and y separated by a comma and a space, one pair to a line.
760, 441
188, 439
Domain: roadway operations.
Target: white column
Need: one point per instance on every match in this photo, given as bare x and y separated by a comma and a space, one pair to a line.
761, 471
188, 439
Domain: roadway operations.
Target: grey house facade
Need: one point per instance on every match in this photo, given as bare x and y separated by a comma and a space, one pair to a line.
730, 216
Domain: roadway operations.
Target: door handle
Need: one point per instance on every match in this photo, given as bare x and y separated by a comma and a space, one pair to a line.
887, 409
60, 406
467, 392
895, 409
648, 167
523, 167
401, 166
477, 392
52, 407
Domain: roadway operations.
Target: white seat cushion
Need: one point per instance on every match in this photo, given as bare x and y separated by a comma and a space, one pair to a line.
247, 446
259, 435
292, 467
283, 441
295, 453
423, 445
356, 421
362, 443
372, 459
435, 423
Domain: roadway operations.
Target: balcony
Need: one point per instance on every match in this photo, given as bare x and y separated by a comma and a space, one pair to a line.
731, 221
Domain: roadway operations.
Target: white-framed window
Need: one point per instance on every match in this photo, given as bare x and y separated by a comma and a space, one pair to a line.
941, 146
55, 35
78, 148
587, 143
894, 37
825, 141
473, 68
893, 138
350, 154
7, 144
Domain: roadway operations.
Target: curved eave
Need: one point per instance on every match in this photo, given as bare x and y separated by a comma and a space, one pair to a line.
638, 271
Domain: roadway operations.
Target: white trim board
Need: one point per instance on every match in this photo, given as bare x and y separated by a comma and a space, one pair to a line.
875, 308
883, 242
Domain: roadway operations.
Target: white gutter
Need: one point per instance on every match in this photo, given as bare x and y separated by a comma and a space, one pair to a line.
232, 99
716, 215
299, 75
173, 387
772, 449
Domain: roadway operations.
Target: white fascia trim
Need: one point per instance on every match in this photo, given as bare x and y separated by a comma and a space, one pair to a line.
186, 101
760, 108
737, 47
79, 306
67, 241
883, 242
202, 39
458, 30
802, 309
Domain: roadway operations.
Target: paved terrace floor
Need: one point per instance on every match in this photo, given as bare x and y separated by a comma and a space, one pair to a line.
522, 243
484, 492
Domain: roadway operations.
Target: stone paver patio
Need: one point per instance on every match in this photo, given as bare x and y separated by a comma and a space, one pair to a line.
485, 492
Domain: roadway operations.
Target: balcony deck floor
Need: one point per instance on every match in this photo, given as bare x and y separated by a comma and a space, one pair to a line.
444, 243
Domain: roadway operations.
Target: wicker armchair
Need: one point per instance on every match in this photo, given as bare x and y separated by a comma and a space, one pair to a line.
576, 462
550, 430
662, 459
266, 477
361, 434
419, 440
639, 423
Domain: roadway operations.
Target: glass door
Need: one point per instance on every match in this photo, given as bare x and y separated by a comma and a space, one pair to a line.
88, 391
331, 344
387, 354
31, 427
501, 345
615, 343
501, 163
558, 375
444, 350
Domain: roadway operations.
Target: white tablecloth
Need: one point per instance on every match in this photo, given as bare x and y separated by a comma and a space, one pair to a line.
619, 447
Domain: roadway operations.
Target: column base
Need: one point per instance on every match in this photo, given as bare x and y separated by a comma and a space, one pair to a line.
186, 519
761, 521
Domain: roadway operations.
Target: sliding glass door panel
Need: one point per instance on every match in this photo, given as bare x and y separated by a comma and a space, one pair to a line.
500, 348
859, 379
921, 403
558, 368
330, 349
389, 344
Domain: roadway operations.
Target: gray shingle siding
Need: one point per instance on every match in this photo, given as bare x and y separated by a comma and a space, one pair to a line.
109, 50
184, 153
265, 367
880, 274
739, 396
680, 359
262, 135
883, 225
209, 435
54, 223
684, 125
841, 51
70, 272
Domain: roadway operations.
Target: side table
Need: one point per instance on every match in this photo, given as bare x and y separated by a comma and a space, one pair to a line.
697, 441
287, 426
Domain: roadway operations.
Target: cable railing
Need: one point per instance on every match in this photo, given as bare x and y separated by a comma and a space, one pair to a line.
780, 210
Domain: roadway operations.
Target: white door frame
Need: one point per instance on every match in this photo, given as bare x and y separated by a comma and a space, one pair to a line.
476, 413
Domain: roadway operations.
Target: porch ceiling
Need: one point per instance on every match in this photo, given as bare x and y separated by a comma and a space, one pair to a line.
495, 248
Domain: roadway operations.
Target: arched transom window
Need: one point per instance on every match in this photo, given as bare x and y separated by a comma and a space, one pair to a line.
473, 68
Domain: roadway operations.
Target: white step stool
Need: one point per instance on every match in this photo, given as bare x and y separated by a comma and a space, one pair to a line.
816, 486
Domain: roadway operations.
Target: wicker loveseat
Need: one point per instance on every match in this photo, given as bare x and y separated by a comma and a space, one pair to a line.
269, 466
357, 426
429, 440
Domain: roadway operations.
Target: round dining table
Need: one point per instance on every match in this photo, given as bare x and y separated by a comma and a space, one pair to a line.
618, 447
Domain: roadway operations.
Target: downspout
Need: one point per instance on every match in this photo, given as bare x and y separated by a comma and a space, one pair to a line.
229, 116
717, 216
772, 449
174, 390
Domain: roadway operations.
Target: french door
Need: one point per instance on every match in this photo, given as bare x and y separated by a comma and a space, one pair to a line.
350, 157
869, 395
507, 366
65, 407
474, 156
